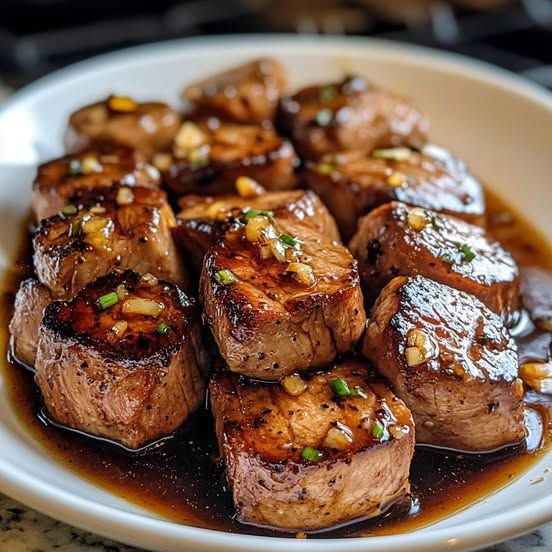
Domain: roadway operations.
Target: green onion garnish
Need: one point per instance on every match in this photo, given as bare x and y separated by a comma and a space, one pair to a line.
340, 387
323, 117
467, 252
377, 430
447, 259
108, 300
325, 168
398, 154
69, 210
75, 168
251, 213
289, 240
225, 277
327, 93
311, 454
163, 328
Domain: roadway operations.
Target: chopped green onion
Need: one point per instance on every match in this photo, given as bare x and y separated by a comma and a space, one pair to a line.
69, 210
289, 240
327, 93
324, 117
163, 328
225, 277
447, 259
325, 168
75, 168
108, 300
311, 454
256, 213
340, 387
467, 252
377, 430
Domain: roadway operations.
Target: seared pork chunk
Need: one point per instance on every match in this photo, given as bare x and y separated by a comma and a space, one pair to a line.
30, 301
450, 359
57, 180
119, 227
203, 219
245, 94
395, 239
123, 359
352, 184
121, 121
280, 298
207, 158
307, 458
349, 115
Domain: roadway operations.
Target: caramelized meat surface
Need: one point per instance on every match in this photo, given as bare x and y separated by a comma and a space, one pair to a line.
119, 227
204, 219
276, 308
360, 447
245, 94
397, 240
208, 157
57, 180
352, 184
349, 115
450, 359
30, 301
121, 121
123, 359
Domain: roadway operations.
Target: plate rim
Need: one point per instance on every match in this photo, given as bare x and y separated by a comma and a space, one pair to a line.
112, 521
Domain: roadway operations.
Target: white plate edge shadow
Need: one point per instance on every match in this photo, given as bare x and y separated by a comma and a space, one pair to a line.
141, 530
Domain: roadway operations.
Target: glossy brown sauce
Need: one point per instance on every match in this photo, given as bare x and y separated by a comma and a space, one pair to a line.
182, 479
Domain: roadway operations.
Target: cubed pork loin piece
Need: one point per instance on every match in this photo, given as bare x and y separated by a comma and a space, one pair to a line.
248, 93
120, 227
123, 359
280, 298
30, 301
313, 452
453, 363
203, 219
352, 184
207, 158
148, 127
349, 115
57, 180
396, 239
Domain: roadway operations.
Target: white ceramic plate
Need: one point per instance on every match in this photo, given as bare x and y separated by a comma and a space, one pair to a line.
499, 123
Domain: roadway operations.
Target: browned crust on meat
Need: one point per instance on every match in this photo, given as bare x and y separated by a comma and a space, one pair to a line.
197, 229
262, 431
357, 116
133, 389
151, 127
386, 245
231, 151
55, 181
248, 93
467, 395
267, 324
137, 236
352, 184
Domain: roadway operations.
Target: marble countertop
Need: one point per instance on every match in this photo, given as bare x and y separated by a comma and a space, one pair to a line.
24, 530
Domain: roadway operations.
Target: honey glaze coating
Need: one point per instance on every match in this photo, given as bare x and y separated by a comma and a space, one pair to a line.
452, 361
313, 459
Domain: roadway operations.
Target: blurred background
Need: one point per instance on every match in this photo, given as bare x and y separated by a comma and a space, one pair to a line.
37, 36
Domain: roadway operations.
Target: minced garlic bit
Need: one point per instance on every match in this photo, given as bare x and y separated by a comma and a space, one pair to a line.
218, 210
397, 179
396, 154
96, 230
162, 161
149, 280
255, 226
420, 348
294, 385
339, 437
247, 187
398, 431
417, 219
121, 291
189, 136
302, 272
97, 210
119, 328
122, 103
537, 375
146, 307
90, 164
125, 196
